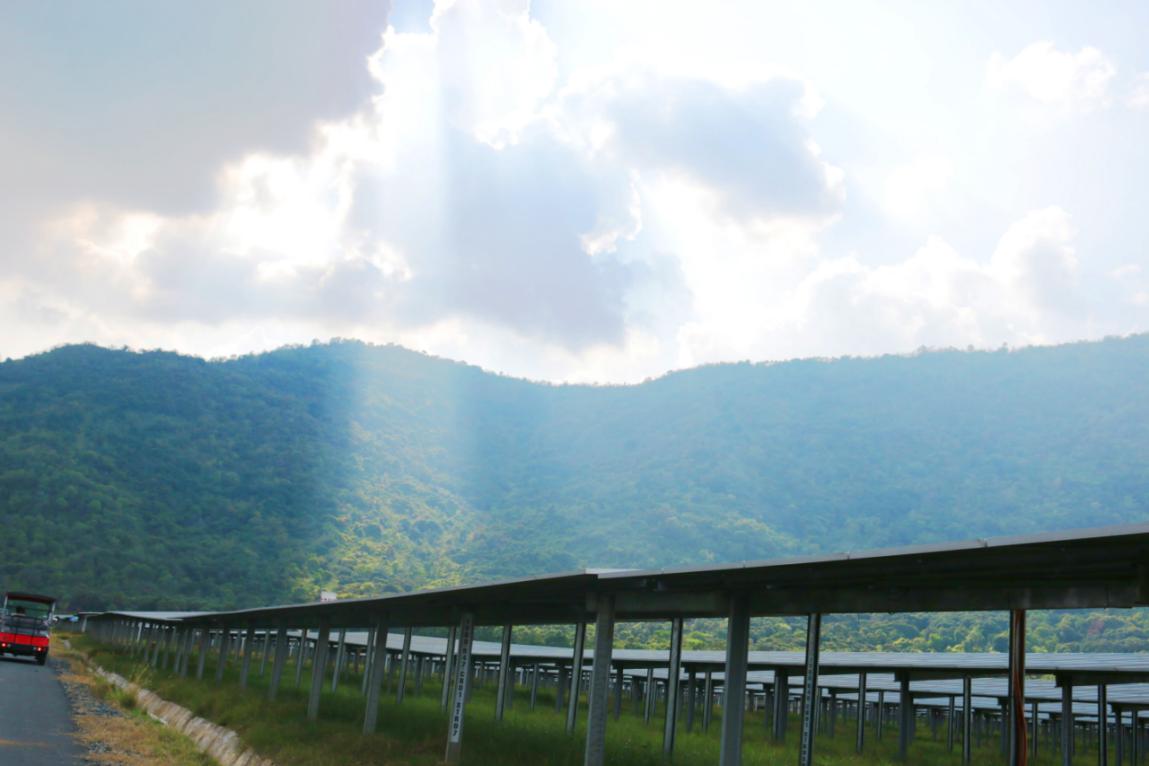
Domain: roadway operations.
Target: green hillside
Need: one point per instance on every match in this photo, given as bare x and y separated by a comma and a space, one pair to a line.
153, 479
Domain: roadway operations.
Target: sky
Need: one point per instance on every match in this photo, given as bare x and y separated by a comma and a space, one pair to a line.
585, 191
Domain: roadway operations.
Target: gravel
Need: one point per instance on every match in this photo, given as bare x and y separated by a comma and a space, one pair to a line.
85, 703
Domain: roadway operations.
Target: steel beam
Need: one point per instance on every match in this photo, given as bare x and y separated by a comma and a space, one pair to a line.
860, 737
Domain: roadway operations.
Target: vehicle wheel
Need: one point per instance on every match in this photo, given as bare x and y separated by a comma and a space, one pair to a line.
42, 658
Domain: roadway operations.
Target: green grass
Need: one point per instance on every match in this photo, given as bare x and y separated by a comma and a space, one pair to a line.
414, 733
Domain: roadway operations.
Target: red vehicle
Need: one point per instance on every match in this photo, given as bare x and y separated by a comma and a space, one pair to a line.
24, 621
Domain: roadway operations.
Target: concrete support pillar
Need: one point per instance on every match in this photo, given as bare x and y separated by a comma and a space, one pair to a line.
245, 664
1033, 732
619, 680
375, 672
462, 682
152, 653
561, 674
950, 724
860, 736
300, 655
648, 696
177, 654
576, 675
224, 646
1102, 725
691, 697
448, 665
597, 702
504, 673
781, 704
368, 654
278, 663
1017, 730
906, 710
264, 646
810, 690
734, 687
707, 700
1066, 721
401, 690
201, 660
318, 669
340, 655
188, 642
881, 713
534, 684
967, 721
674, 671
1129, 735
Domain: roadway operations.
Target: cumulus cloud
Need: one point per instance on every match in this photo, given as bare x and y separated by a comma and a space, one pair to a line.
749, 145
1139, 94
1026, 292
467, 191
508, 198
1050, 76
138, 104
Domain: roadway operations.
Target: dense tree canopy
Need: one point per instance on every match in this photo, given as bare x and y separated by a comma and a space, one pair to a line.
158, 480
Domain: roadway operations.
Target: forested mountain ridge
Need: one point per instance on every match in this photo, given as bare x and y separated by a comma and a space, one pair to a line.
158, 480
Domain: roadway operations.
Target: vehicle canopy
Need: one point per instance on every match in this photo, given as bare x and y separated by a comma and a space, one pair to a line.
29, 604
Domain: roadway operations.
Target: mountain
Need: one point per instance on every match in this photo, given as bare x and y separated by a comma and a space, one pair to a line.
154, 480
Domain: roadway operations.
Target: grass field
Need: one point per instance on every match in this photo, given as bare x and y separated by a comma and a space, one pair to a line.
414, 732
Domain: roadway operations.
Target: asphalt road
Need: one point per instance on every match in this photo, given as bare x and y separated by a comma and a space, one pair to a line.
35, 717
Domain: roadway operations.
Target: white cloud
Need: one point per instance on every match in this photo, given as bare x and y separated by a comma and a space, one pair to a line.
1025, 293
911, 189
494, 198
506, 200
1058, 78
1139, 94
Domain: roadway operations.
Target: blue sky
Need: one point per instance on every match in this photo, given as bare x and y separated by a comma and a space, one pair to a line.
585, 191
